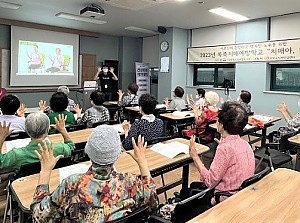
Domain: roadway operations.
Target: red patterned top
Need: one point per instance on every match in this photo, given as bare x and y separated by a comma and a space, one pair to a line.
201, 122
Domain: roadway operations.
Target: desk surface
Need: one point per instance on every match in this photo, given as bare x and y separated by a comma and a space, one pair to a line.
295, 139
189, 115
25, 187
79, 136
273, 199
274, 119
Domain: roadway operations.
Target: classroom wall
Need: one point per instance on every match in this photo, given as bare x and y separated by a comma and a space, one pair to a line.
130, 52
255, 76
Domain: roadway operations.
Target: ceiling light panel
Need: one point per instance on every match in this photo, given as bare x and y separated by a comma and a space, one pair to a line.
133, 5
228, 14
140, 30
8, 5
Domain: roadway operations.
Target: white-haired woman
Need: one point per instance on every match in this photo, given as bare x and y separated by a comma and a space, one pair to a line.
37, 127
202, 117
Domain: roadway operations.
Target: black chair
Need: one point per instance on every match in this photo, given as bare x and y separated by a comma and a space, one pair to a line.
26, 170
275, 154
159, 139
99, 123
140, 215
17, 135
188, 208
33, 168
257, 177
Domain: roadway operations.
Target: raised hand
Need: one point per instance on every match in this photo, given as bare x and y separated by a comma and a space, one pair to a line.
120, 93
192, 147
282, 107
166, 101
42, 105
4, 130
139, 150
60, 122
78, 110
46, 157
21, 111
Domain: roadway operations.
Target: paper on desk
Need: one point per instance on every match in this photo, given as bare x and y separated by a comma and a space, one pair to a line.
183, 114
17, 143
118, 127
248, 126
158, 106
171, 149
64, 172
262, 118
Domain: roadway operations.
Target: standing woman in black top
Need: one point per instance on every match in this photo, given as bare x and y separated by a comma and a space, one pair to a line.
105, 78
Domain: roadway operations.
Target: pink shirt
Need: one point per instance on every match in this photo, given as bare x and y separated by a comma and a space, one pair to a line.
35, 58
234, 162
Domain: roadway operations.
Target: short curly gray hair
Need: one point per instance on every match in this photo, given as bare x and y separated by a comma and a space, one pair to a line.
37, 124
212, 98
63, 89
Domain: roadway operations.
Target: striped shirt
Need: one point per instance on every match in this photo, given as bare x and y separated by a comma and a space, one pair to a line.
93, 115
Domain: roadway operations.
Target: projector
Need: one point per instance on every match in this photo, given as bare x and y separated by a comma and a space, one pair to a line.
92, 11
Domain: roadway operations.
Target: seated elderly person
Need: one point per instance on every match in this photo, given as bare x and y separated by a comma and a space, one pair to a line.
203, 117
37, 127
148, 126
99, 195
14, 112
234, 159
59, 105
71, 103
96, 113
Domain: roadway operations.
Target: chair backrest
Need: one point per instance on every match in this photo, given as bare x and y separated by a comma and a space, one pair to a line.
99, 123
33, 168
255, 178
139, 215
192, 206
159, 139
72, 128
163, 111
17, 135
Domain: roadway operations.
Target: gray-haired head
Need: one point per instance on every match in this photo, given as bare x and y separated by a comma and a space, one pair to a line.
37, 125
63, 89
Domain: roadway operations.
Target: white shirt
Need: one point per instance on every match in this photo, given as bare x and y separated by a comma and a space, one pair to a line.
17, 123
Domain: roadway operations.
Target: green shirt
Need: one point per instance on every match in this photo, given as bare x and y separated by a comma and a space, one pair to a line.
16, 157
70, 119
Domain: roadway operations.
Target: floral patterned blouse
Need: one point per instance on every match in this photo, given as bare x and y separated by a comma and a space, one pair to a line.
87, 198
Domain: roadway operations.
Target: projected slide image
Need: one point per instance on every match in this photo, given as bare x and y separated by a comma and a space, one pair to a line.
38, 58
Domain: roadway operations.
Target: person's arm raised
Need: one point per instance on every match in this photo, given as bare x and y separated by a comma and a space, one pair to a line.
138, 154
4, 132
48, 161
96, 77
112, 72
61, 127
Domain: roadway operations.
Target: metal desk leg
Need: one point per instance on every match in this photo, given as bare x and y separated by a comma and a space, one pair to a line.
297, 166
263, 136
185, 176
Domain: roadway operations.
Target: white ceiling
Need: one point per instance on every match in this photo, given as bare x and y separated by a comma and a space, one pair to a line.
170, 13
